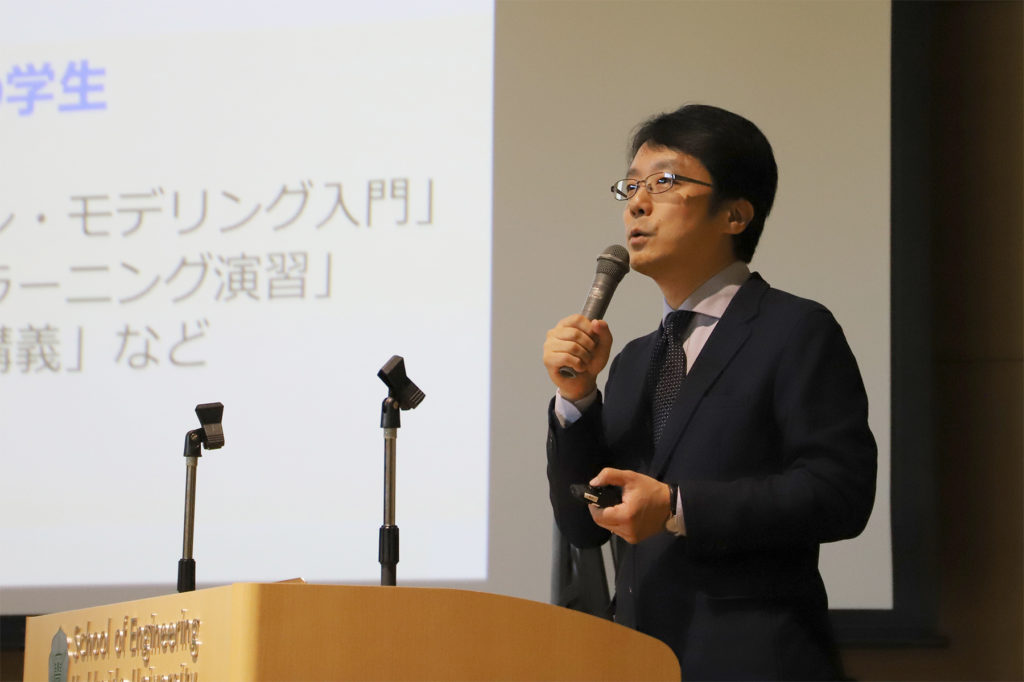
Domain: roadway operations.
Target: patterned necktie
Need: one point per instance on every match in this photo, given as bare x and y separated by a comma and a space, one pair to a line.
668, 368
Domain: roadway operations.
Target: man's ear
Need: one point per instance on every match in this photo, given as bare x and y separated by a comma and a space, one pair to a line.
740, 213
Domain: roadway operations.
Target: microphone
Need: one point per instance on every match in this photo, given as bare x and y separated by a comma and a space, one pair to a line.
612, 266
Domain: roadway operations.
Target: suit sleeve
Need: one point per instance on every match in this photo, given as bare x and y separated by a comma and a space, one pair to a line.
576, 454
824, 485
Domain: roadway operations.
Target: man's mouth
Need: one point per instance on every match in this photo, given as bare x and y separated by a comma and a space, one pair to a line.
637, 234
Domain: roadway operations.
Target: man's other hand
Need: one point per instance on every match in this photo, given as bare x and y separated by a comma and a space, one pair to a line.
644, 508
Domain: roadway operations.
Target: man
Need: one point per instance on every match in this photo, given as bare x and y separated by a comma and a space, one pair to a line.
738, 436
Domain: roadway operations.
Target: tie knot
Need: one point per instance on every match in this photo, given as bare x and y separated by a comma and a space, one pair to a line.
676, 322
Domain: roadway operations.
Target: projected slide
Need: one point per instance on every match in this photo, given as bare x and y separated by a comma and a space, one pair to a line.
261, 211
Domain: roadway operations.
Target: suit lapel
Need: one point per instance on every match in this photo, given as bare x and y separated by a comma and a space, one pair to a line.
630, 388
728, 337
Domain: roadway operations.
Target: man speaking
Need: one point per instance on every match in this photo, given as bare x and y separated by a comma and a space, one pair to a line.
737, 431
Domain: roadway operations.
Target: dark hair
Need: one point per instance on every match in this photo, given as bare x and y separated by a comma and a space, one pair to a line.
734, 151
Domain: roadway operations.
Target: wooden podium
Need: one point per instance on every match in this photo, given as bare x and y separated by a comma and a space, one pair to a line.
294, 631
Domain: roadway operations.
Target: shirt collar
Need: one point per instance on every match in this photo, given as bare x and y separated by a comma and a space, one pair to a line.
713, 297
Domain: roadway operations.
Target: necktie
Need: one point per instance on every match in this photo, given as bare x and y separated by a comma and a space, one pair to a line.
668, 368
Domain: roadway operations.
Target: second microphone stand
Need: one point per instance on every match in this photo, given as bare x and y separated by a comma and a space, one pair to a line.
403, 394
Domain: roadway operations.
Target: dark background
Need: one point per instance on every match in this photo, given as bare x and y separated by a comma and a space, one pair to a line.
958, 223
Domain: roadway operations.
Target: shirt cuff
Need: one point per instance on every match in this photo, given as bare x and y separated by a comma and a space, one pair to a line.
568, 412
675, 523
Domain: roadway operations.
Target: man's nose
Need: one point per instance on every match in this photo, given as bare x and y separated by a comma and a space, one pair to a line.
640, 203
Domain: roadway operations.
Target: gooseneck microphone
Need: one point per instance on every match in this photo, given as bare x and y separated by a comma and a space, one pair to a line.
612, 266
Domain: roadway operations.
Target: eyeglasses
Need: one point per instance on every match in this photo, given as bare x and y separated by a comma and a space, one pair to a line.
655, 183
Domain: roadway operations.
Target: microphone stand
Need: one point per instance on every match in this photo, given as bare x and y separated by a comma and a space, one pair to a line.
387, 553
211, 435
187, 564
403, 394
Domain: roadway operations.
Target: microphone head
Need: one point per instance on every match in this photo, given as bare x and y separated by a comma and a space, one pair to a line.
614, 261
612, 265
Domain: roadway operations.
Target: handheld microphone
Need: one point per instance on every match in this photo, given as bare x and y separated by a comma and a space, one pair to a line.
612, 266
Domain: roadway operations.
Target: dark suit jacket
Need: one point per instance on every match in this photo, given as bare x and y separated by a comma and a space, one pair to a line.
770, 446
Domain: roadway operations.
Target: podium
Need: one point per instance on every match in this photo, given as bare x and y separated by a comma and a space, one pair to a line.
294, 631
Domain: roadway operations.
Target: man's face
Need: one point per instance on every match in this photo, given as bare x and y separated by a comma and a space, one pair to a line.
673, 232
